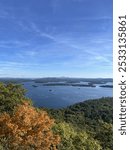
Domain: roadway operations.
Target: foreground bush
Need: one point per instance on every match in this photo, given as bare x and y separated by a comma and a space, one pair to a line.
26, 129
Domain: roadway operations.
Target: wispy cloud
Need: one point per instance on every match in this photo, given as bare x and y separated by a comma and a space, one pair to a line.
13, 44
63, 36
40, 33
82, 51
6, 12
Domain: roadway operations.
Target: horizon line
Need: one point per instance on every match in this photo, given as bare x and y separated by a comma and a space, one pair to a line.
54, 77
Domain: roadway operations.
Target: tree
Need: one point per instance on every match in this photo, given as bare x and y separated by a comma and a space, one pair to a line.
27, 128
10, 96
104, 134
73, 139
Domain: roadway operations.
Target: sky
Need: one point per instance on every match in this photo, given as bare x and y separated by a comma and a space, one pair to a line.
56, 38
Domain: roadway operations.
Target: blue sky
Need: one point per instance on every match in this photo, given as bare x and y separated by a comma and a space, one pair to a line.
56, 38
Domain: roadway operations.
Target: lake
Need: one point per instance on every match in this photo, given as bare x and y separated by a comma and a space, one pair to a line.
62, 96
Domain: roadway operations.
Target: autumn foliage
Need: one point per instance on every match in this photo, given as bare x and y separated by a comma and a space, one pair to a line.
27, 128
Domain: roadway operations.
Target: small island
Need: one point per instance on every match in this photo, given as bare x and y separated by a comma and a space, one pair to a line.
34, 85
107, 86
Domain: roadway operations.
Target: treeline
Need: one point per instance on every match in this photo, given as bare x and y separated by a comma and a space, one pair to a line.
83, 126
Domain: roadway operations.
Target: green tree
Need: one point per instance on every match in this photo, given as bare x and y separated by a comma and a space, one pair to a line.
104, 134
72, 139
10, 96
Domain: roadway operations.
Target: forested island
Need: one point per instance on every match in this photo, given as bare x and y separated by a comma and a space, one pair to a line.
83, 126
62, 81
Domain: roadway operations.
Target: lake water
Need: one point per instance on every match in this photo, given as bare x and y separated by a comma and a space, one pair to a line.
62, 96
